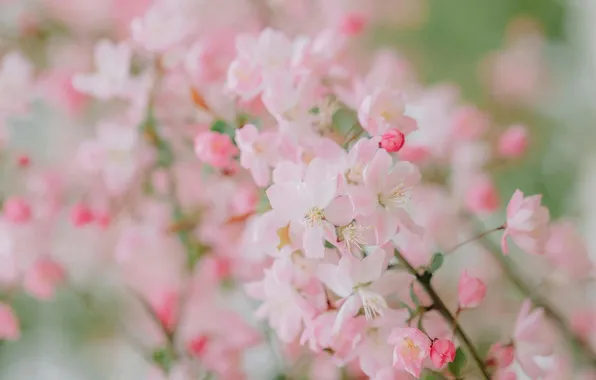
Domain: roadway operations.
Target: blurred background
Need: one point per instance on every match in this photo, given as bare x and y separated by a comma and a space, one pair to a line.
524, 61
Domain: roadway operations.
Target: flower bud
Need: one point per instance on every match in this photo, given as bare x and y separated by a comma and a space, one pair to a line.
392, 140
9, 324
470, 291
215, 149
81, 215
513, 142
482, 196
442, 351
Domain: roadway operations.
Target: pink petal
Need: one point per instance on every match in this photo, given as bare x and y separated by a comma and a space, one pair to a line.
370, 268
340, 212
313, 243
375, 174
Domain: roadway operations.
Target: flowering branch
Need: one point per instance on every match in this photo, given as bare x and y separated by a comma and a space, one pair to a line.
425, 280
550, 311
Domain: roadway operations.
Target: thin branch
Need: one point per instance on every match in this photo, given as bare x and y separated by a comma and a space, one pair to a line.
538, 300
480, 236
425, 280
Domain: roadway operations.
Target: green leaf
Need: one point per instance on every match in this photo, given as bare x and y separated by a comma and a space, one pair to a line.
328, 244
224, 128
164, 358
413, 295
457, 366
436, 262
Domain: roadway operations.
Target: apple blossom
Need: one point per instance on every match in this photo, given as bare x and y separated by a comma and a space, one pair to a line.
411, 347
527, 223
470, 291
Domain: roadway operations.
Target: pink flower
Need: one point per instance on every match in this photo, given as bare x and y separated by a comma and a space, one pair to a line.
567, 251
469, 123
385, 195
16, 210
412, 346
532, 339
9, 324
527, 223
513, 142
384, 109
470, 291
162, 26
352, 280
254, 151
352, 24
313, 204
215, 149
81, 215
165, 306
112, 79
482, 196
42, 278
501, 355
442, 351
392, 140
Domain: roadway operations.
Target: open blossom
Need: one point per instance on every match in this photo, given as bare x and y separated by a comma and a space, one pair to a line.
112, 76
442, 351
470, 291
313, 204
385, 194
352, 280
411, 347
384, 109
532, 339
216, 149
254, 152
527, 223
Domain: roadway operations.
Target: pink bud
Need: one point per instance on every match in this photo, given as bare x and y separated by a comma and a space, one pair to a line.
352, 24
392, 140
42, 278
469, 123
501, 355
442, 351
17, 210
482, 197
23, 161
470, 291
198, 345
215, 149
513, 142
103, 218
81, 215
9, 324
166, 307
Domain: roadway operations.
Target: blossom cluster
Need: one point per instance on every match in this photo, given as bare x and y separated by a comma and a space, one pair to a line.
229, 153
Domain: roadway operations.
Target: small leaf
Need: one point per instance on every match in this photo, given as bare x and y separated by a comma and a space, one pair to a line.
457, 366
328, 244
436, 262
164, 358
413, 295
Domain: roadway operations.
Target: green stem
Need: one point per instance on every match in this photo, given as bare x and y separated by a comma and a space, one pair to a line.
425, 280
539, 301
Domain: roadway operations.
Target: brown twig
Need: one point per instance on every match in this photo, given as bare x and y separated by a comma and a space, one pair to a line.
425, 280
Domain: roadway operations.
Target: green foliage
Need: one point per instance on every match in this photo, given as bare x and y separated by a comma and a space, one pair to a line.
458, 365
436, 262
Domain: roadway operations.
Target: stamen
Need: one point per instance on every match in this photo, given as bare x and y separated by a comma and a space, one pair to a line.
314, 217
